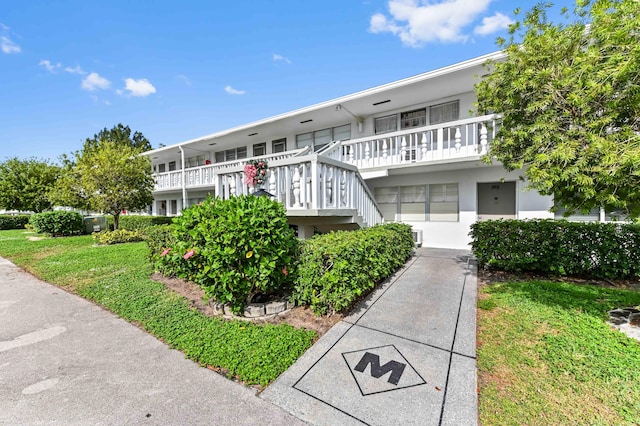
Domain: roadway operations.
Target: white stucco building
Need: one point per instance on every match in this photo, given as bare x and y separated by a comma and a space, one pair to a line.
406, 151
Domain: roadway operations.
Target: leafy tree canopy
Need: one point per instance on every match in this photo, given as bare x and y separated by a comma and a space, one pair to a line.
109, 178
25, 184
569, 98
120, 135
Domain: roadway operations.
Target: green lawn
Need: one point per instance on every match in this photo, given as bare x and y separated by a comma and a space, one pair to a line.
547, 356
117, 277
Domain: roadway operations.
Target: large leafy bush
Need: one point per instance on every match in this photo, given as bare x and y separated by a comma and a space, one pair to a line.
338, 268
57, 223
233, 248
13, 221
600, 250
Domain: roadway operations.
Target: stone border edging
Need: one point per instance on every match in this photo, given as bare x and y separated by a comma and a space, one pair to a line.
253, 310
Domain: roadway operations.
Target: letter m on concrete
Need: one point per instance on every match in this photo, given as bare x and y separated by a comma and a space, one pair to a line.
377, 370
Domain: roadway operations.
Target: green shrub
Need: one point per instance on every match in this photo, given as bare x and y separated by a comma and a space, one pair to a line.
118, 236
338, 268
233, 248
57, 223
13, 221
160, 238
599, 250
142, 223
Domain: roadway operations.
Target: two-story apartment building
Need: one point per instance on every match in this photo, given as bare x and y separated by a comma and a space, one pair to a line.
406, 151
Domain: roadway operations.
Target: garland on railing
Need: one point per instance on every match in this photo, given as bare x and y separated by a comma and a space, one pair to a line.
255, 172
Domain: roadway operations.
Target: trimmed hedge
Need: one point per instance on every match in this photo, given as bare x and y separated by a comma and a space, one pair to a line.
338, 268
119, 236
8, 221
57, 223
138, 223
599, 250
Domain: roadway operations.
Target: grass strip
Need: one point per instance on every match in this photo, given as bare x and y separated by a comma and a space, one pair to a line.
117, 277
547, 356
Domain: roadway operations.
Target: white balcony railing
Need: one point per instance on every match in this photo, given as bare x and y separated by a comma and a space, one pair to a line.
447, 141
206, 175
310, 183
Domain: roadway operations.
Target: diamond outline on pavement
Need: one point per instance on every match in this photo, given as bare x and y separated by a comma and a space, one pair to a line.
381, 360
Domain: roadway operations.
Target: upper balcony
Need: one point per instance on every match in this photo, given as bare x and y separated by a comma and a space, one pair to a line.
449, 142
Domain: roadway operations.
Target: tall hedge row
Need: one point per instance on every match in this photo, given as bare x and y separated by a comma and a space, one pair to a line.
8, 221
599, 250
336, 269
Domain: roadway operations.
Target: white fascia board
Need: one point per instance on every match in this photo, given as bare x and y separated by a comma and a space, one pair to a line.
344, 99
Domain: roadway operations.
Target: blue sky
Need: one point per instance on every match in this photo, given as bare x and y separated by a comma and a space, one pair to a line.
179, 70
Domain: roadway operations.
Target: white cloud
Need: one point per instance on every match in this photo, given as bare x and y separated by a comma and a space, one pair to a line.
93, 82
492, 24
3, 27
48, 65
230, 90
8, 46
277, 58
140, 87
75, 70
417, 23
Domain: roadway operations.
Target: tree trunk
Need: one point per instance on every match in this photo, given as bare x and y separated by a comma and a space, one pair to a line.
116, 220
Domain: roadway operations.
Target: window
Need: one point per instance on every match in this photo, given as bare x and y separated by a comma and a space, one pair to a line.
386, 124
194, 161
443, 202
387, 199
442, 113
260, 149
413, 206
231, 154
279, 145
436, 202
320, 138
161, 168
342, 133
591, 216
410, 119
172, 166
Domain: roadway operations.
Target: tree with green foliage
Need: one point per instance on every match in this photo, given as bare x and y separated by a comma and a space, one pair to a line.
569, 99
109, 178
25, 184
120, 135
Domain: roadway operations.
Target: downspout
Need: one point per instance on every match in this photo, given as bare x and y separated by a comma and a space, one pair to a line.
184, 179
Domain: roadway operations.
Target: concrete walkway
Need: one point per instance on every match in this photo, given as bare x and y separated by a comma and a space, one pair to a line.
406, 356
64, 360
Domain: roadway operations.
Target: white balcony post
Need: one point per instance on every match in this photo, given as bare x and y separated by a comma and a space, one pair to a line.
315, 184
458, 138
483, 139
296, 186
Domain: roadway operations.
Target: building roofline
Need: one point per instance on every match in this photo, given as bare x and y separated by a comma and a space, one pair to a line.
343, 99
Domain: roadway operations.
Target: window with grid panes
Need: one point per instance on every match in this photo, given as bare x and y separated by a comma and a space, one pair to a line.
413, 203
449, 111
387, 199
231, 154
386, 124
260, 149
443, 202
320, 138
416, 118
279, 145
